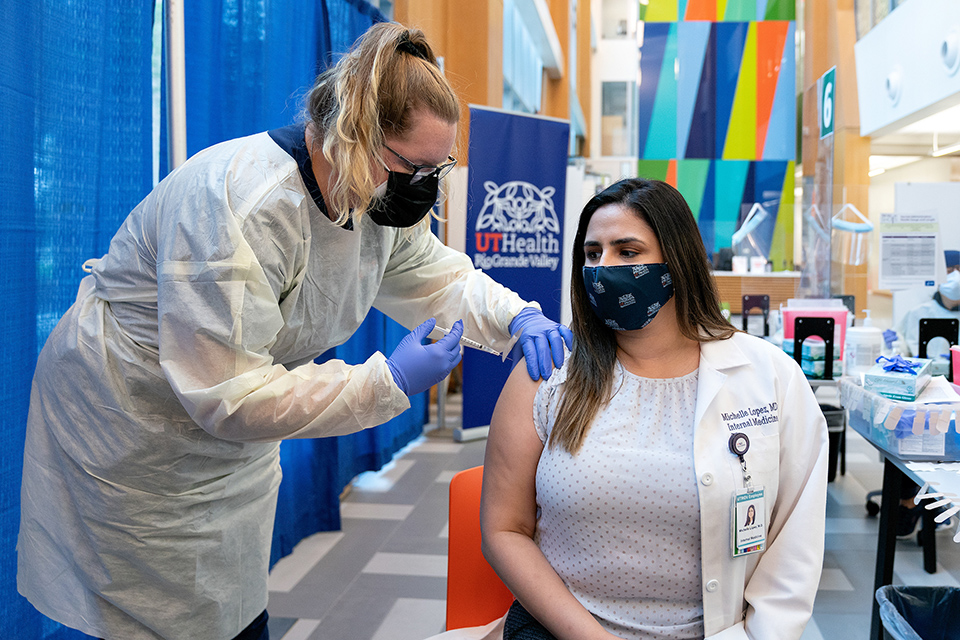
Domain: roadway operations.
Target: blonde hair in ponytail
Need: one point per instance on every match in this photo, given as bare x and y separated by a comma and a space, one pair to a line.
370, 93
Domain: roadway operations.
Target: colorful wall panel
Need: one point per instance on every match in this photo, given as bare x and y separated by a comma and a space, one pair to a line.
717, 113
721, 192
718, 10
717, 90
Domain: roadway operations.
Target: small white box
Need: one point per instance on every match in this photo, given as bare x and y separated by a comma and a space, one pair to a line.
739, 264
758, 264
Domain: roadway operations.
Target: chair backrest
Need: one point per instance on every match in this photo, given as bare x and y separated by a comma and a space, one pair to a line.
475, 594
850, 302
945, 328
803, 328
756, 301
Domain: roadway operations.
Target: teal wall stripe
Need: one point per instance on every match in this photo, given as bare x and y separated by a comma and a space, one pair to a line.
662, 136
731, 175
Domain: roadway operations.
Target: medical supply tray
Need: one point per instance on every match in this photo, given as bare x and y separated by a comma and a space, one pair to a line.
907, 430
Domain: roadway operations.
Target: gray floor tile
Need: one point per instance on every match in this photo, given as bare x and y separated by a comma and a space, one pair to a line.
407, 564
412, 619
364, 607
845, 626
812, 632
355, 509
279, 626
289, 571
302, 630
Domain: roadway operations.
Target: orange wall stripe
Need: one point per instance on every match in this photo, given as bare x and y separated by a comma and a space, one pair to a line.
672, 174
771, 36
702, 10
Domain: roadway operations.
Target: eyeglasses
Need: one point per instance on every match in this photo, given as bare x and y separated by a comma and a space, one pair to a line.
423, 172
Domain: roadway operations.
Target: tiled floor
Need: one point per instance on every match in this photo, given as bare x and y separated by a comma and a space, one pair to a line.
383, 576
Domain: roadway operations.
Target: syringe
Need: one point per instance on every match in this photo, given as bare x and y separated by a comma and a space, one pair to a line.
467, 342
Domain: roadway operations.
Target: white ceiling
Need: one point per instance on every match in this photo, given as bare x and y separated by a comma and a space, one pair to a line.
944, 122
917, 139
890, 162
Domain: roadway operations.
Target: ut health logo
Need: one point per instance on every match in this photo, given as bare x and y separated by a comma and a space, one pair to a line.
517, 227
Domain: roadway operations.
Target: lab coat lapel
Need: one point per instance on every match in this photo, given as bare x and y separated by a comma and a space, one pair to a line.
716, 358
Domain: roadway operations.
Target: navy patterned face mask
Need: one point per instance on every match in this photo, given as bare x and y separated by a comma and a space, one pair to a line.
628, 297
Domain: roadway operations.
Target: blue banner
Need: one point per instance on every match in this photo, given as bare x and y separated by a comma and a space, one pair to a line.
515, 206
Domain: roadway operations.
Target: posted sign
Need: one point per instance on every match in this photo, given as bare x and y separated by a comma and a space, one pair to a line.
515, 196
826, 101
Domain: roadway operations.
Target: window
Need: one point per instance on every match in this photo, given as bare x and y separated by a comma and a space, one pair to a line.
618, 124
522, 64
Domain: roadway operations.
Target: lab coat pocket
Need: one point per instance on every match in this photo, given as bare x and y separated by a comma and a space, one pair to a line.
764, 453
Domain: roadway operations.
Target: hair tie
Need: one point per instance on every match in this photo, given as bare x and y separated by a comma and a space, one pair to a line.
406, 46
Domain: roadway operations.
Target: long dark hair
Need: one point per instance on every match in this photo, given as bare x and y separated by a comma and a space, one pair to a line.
590, 375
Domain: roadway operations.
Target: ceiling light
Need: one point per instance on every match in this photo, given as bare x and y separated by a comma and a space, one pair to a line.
945, 151
939, 151
944, 121
886, 163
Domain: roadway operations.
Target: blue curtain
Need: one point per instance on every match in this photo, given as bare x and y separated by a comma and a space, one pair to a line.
248, 63
18, 313
348, 19
75, 92
76, 99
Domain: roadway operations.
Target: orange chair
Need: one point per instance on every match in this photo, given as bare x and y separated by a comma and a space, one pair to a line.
475, 594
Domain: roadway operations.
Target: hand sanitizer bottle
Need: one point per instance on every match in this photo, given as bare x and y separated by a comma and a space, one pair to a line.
861, 348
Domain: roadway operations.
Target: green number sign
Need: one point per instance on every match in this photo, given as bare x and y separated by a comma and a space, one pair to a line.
826, 97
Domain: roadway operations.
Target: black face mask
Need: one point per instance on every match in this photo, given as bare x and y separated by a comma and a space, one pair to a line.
404, 204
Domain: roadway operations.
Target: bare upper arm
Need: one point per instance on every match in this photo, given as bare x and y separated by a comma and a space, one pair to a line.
510, 462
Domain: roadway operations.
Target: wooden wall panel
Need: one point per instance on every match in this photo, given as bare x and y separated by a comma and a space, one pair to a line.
556, 93
780, 288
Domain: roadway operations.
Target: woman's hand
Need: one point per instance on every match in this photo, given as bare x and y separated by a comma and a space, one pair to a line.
540, 338
416, 366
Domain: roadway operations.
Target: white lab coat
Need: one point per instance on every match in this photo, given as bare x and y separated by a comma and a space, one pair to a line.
152, 460
788, 457
909, 327
767, 595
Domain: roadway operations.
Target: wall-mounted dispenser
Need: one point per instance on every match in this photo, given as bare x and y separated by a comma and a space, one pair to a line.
893, 85
950, 51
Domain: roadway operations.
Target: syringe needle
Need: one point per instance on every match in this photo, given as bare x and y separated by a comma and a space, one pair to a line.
467, 342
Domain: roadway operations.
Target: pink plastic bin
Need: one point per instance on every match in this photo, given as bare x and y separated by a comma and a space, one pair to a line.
839, 329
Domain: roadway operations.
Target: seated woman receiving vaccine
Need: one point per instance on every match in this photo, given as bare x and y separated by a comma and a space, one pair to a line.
669, 481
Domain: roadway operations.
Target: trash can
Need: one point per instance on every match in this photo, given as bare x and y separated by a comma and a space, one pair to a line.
920, 613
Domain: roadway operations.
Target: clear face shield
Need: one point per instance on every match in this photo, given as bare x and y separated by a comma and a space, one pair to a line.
751, 242
849, 236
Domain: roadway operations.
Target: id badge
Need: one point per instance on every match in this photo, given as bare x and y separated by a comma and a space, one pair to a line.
749, 527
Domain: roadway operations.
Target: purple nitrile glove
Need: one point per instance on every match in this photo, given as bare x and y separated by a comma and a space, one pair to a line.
416, 366
540, 337
889, 337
